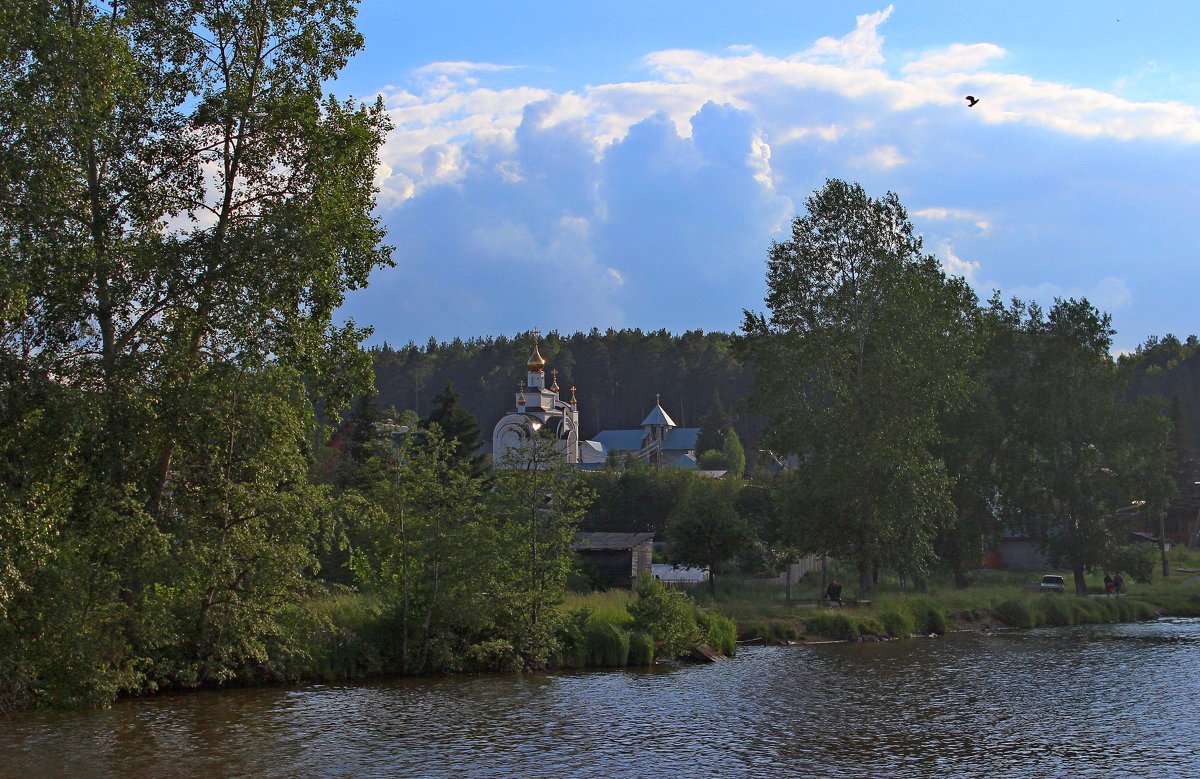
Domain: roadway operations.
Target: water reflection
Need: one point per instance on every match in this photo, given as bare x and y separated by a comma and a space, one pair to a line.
1106, 701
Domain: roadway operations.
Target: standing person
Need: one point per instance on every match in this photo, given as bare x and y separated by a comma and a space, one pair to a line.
1118, 583
834, 592
1108, 584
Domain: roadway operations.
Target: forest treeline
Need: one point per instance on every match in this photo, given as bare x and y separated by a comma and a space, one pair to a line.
617, 374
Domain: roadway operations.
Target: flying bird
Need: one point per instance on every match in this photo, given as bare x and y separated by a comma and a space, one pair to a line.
971, 101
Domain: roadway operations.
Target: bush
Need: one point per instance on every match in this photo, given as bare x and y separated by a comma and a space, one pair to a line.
666, 615
496, 654
934, 621
1017, 613
607, 645
869, 626
833, 625
346, 637
718, 631
641, 649
572, 638
897, 623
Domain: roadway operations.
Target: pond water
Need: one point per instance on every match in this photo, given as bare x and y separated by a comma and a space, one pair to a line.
1101, 701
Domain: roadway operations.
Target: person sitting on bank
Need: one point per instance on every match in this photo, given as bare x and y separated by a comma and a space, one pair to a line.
834, 592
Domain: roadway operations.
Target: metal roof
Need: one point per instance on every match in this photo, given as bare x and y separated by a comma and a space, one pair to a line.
681, 438
620, 440
609, 542
658, 417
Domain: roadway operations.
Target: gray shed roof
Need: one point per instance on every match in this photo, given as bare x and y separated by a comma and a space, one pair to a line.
609, 542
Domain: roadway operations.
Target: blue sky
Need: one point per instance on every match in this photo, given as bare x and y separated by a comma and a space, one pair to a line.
577, 165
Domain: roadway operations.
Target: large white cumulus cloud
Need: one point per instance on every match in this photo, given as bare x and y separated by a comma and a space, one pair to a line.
652, 202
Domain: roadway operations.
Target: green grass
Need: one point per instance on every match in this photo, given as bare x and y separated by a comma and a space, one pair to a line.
599, 631
998, 599
610, 606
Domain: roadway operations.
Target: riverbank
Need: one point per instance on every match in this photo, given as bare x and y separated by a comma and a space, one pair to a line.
901, 615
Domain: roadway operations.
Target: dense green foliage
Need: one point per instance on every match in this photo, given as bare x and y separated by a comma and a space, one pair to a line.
867, 344
1075, 453
706, 529
924, 424
181, 211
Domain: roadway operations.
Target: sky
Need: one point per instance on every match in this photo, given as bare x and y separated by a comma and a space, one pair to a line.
610, 164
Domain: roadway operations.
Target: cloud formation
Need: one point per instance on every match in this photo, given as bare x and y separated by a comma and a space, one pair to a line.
653, 202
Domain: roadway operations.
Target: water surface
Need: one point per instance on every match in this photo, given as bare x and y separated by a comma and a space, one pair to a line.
1102, 701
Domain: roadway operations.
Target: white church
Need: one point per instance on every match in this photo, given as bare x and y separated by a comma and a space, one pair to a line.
540, 410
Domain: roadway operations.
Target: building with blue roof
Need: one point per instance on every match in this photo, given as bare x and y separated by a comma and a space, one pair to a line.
540, 410
658, 442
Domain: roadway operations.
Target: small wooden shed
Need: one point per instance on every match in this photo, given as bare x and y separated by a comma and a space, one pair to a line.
615, 559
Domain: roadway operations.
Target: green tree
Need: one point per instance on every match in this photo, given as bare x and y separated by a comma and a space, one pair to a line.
713, 427
180, 206
1077, 455
706, 529
457, 425
242, 521
537, 503
425, 550
735, 455
667, 615
866, 345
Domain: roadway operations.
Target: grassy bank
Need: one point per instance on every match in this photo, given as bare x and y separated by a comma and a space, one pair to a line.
351, 636
996, 600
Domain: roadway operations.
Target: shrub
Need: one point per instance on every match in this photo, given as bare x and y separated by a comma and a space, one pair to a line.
934, 621
572, 638
496, 654
641, 649
666, 615
718, 631
607, 645
869, 626
897, 623
833, 625
1017, 613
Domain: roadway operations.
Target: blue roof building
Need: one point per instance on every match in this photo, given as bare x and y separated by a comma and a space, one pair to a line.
659, 441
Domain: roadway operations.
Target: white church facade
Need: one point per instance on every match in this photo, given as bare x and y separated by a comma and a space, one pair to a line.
540, 411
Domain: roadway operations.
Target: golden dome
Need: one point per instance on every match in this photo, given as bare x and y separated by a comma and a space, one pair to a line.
536, 363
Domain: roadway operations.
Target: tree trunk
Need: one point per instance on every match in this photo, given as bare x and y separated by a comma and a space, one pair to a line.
865, 581
1080, 584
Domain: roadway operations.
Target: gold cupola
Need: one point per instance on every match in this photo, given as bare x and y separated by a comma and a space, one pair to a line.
536, 363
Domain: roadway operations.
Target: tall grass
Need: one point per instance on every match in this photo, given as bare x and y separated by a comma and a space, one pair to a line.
599, 631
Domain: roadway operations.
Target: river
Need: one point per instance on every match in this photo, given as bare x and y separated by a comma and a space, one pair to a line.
1101, 701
